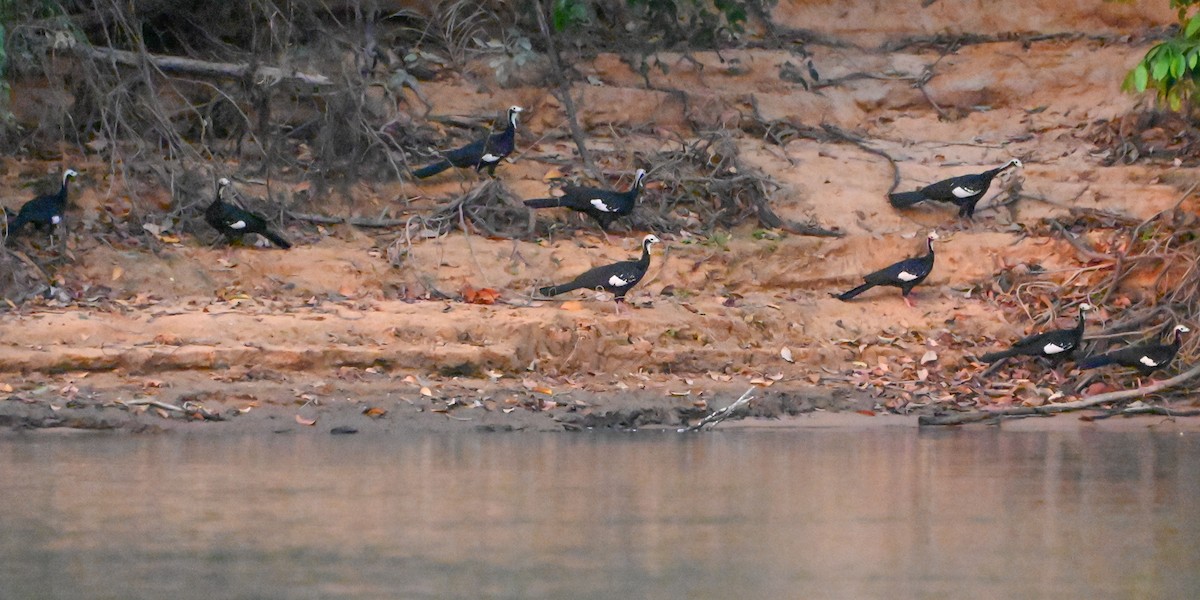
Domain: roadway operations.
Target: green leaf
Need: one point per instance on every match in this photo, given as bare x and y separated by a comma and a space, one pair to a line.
1174, 101
1193, 25
1160, 69
1178, 64
1140, 76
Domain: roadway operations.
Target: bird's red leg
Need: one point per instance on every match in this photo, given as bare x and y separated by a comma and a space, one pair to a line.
909, 302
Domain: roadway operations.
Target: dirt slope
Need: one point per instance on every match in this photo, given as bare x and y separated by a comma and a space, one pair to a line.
335, 321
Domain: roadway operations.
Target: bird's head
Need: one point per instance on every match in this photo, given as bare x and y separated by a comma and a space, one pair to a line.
222, 182
933, 236
512, 114
1014, 163
1086, 307
1181, 328
69, 174
639, 179
650, 240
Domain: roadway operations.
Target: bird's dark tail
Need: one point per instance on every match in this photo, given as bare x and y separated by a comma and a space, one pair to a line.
991, 357
15, 223
1092, 362
905, 199
543, 203
276, 239
554, 290
854, 292
431, 170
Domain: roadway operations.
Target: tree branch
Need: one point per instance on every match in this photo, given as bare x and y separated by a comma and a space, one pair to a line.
721, 414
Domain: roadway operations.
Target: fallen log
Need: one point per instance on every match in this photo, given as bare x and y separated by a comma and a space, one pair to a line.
1049, 409
263, 75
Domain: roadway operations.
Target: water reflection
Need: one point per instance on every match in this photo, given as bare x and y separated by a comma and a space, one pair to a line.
751, 514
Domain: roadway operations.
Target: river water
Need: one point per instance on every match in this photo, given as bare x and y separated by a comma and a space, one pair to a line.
746, 514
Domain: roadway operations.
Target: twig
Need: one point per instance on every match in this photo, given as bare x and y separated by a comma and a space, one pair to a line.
356, 221
1079, 246
721, 414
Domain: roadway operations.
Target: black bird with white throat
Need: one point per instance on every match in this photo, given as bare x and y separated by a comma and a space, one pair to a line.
616, 279
965, 191
480, 154
233, 222
1146, 359
1055, 345
605, 206
45, 211
905, 275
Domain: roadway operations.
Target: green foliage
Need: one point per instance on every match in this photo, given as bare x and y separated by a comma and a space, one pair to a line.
568, 14
1170, 67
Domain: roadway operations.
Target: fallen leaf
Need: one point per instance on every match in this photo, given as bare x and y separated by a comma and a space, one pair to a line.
571, 305
863, 411
929, 357
7, 389
117, 272
375, 412
471, 295
426, 392
680, 394
786, 354
543, 390
307, 422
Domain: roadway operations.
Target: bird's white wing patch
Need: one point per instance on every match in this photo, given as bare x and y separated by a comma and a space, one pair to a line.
617, 280
489, 157
600, 205
56, 219
963, 192
1052, 349
1149, 362
905, 276
237, 225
